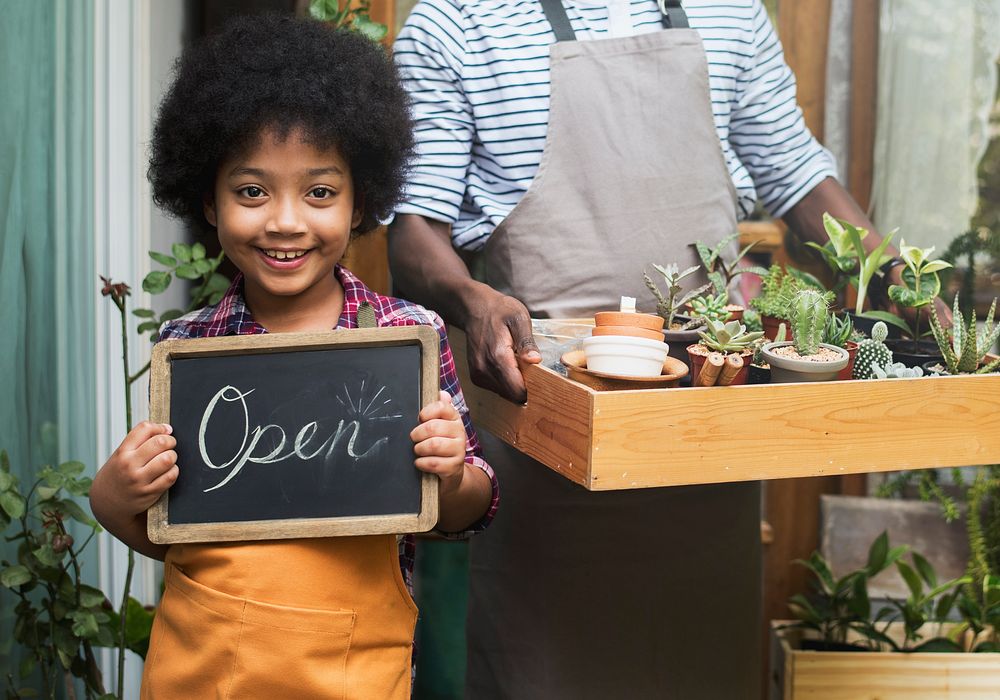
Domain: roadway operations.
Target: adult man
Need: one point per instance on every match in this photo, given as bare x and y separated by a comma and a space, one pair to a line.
568, 174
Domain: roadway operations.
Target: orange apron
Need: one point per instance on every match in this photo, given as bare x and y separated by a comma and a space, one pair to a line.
310, 618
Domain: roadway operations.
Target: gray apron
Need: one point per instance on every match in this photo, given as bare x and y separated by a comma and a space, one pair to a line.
649, 593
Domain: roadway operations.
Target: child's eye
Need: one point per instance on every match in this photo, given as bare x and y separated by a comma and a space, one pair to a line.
320, 192
251, 191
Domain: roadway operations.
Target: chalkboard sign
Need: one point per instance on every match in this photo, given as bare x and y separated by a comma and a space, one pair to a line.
295, 434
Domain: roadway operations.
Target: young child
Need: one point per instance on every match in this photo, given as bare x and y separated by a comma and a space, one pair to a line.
287, 139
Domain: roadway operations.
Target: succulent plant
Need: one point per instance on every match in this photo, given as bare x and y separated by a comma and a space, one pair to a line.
711, 308
777, 286
872, 353
668, 306
728, 337
897, 370
838, 330
807, 311
964, 349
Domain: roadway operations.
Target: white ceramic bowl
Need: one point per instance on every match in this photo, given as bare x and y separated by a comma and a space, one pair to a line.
625, 356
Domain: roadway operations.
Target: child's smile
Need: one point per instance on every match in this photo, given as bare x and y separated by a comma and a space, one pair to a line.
284, 212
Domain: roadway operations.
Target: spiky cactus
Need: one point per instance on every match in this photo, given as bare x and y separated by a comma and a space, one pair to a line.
667, 306
728, 337
872, 353
965, 349
710, 307
807, 312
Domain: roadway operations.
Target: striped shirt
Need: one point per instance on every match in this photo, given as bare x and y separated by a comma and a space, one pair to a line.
478, 77
231, 316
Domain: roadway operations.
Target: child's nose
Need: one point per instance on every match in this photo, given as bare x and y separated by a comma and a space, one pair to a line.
285, 217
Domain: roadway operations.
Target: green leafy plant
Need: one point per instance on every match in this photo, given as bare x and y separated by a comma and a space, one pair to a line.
838, 330
777, 286
964, 348
897, 370
720, 272
728, 337
670, 304
711, 307
847, 258
924, 606
921, 286
354, 15
807, 311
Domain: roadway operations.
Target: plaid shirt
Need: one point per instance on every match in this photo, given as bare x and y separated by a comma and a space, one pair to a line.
232, 317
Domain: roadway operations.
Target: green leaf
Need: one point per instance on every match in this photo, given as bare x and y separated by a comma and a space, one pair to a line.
217, 283
6, 480
48, 556
14, 576
147, 326
84, 623
925, 570
27, 666
162, 259
170, 315
889, 318
91, 597
202, 266
911, 578
182, 252
197, 251
368, 28
13, 504
156, 282
4, 461
216, 297
187, 271
72, 468
903, 296
47, 492
138, 627
144, 313
877, 553
77, 513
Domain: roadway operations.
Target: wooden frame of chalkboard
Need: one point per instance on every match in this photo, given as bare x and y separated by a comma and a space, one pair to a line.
420, 490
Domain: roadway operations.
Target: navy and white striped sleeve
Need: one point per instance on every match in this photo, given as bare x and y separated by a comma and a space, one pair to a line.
767, 130
430, 53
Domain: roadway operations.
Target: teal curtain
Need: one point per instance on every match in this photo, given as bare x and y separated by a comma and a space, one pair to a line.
47, 289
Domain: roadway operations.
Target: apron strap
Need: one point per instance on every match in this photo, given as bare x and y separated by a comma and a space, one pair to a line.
673, 17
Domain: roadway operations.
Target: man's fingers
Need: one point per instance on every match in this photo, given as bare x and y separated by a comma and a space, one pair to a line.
522, 340
141, 433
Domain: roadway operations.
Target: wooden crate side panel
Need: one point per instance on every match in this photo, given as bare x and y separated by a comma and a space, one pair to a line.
888, 676
554, 426
689, 436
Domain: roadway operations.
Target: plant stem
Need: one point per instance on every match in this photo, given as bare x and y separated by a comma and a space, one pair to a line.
137, 375
123, 611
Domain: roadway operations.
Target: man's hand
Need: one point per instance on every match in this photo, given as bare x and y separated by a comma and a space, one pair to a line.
499, 340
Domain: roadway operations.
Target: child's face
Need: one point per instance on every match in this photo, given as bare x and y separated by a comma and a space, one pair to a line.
284, 212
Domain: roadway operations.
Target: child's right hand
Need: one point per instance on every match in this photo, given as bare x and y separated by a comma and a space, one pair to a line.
136, 474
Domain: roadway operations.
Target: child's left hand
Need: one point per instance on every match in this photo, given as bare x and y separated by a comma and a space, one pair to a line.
439, 442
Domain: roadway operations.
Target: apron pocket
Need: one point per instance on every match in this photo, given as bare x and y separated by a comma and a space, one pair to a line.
289, 652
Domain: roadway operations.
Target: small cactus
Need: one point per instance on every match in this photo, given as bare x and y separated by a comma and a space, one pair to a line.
872, 353
897, 370
808, 311
728, 337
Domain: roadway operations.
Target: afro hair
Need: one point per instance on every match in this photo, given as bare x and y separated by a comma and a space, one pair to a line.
281, 73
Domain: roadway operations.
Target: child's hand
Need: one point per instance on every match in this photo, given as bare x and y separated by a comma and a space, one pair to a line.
134, 477
439, 442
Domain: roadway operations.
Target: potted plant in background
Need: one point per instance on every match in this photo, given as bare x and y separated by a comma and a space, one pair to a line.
722, 343
721, 273
921, 286
678, 331
965, 349
806, 358
850, 262
839, 331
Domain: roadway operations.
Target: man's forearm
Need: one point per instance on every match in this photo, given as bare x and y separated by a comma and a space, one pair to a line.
806, 218
428, 270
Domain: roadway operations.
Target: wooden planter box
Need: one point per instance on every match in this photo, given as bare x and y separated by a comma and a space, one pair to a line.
607, 440
846, 675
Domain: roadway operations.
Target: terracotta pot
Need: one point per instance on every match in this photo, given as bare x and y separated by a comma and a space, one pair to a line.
852, 354
770, 324
631, 331
618, 318
735, 312
697, 361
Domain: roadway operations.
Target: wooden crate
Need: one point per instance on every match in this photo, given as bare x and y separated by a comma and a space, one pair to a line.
845, 675
611, 440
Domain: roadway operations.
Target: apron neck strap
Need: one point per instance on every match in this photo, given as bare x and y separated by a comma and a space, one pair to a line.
673, 17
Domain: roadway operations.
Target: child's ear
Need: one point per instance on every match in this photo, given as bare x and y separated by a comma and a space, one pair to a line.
359, 211
208, 206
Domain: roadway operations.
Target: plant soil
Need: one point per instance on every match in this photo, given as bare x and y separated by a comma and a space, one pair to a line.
821, 355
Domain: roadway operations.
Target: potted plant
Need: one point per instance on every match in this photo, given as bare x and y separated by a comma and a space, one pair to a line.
839, 331
721, 273
806, 358
678, 331
712, 307
730, 338
809, 659
846, 256
777, 286
964, 348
